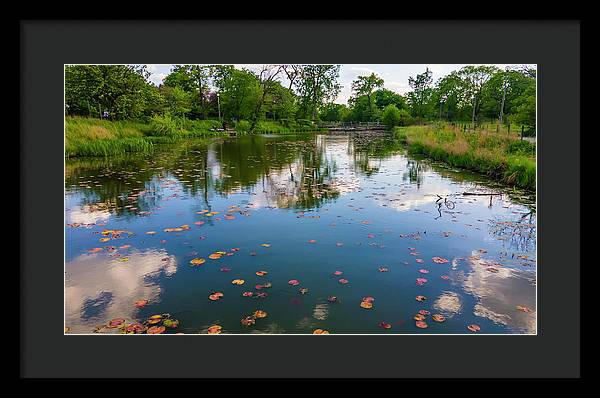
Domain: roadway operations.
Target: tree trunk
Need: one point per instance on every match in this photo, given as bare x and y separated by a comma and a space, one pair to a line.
502, 105
473, 115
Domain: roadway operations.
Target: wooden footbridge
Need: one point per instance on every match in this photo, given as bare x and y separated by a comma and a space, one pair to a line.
353, 126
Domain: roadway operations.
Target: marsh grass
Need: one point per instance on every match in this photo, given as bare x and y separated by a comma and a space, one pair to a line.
501, 156
97, 137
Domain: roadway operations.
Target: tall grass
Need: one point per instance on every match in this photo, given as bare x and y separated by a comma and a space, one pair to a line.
107, 147
500, 156
97, 137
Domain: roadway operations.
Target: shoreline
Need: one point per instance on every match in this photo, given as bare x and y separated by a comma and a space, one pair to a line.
502, 158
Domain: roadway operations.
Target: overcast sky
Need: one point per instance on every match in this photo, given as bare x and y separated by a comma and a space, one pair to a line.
395, 76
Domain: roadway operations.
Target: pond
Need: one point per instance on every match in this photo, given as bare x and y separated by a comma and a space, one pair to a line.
346, 233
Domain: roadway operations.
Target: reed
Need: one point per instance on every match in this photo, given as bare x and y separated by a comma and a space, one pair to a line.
500, 156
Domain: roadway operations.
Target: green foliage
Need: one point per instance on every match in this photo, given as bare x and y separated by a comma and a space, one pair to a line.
391, 116
120, 90
179, 101
384, 97
114, 147
363, 88
420, 98
526, 107
333, 112
243, 126
521, 147
166, 125
316, 85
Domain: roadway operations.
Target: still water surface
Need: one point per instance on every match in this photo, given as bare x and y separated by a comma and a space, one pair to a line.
300, 208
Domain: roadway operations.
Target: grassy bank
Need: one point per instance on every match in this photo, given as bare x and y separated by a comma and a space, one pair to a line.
96, 137
501, 156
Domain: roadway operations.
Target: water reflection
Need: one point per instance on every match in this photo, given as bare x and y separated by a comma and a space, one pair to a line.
499, 293
334, 176
98, 287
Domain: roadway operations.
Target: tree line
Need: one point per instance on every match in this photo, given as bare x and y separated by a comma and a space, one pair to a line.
298, 94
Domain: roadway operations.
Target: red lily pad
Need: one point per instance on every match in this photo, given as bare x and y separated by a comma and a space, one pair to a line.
115, 323
140, 303
156, 330
368, 299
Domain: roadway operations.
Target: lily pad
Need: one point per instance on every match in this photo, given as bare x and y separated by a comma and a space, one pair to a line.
438, 317
421, 324
115, 323
385, 325
366, 304
156, 330
140, 303
197, 261
214, 329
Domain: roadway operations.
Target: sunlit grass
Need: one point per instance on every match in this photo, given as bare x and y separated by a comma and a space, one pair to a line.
501, 156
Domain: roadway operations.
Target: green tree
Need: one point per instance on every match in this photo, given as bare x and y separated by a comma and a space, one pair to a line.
268, 84
451, 95
420, 96
195, 80
333, 112
364, 86
316, 85
526, 108
384, 97
179, 101
475, 78
239, 91
391, 116
121, 90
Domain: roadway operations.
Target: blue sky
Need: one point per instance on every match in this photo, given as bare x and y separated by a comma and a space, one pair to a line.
395, 75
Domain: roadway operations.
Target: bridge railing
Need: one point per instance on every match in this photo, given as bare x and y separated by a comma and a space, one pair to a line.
350, 124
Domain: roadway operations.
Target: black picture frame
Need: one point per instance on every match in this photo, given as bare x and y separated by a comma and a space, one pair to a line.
45, 46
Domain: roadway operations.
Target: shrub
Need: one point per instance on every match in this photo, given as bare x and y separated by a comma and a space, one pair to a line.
391, 116
243, 126
521, 147
166, 125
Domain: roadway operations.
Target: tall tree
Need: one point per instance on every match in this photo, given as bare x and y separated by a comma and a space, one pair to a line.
365, 85
475, 78
450, 93
318, 84
421, 92
384, 97
193, 79
239, 91
268, 82
292, 72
